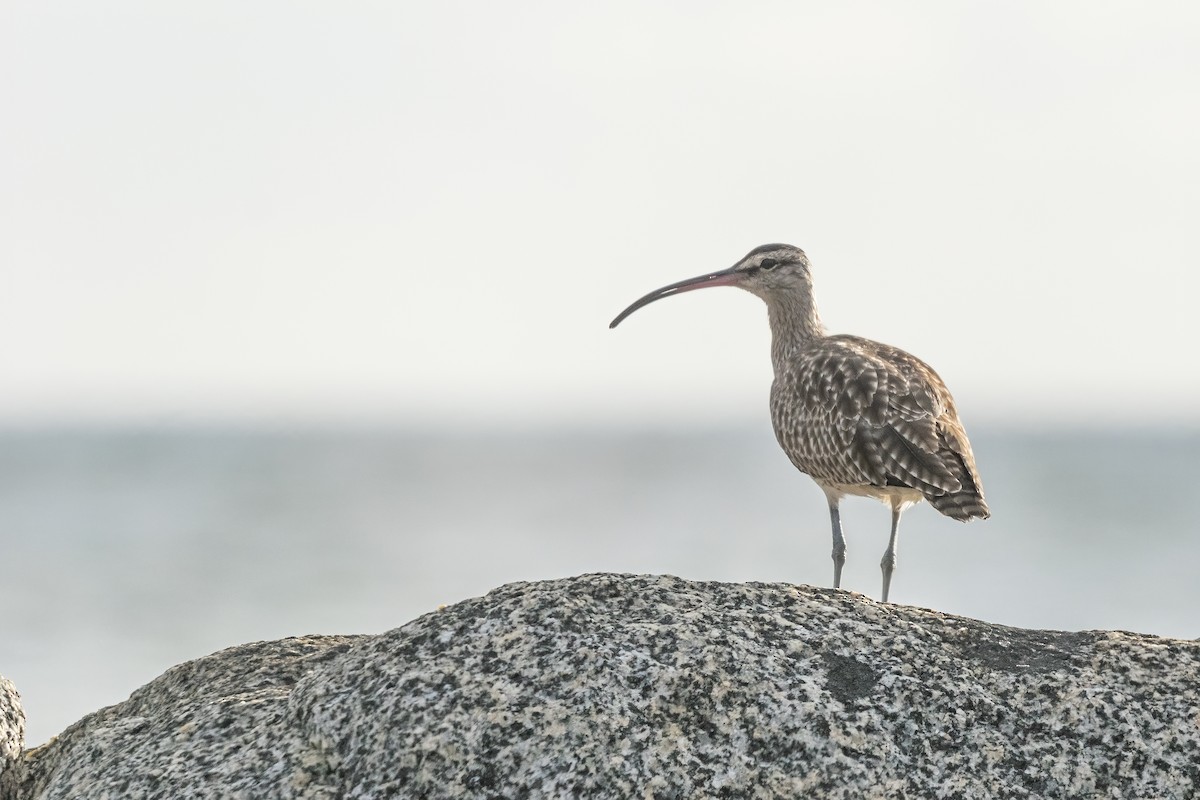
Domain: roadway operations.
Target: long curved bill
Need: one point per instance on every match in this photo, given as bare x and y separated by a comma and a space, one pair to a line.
726, 277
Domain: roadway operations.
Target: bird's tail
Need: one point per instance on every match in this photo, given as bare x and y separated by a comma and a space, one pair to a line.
964, 505
967, 502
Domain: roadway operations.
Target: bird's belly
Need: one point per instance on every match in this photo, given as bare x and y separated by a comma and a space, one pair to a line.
886, 494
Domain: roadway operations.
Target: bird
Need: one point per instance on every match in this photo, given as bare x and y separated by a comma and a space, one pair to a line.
859, 417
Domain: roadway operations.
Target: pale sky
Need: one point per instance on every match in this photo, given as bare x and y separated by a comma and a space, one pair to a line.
399, 211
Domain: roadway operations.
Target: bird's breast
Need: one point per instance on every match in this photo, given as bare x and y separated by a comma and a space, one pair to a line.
812, 437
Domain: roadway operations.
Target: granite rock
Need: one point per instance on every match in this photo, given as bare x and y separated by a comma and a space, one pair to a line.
654, 687
216, 727
12, 734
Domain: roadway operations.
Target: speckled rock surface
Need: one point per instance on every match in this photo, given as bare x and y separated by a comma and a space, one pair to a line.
12, 732
653, 687
216, 727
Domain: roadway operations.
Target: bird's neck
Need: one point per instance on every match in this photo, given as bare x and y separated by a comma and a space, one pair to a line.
795, 325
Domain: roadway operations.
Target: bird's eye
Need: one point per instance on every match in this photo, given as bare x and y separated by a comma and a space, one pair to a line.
768, 263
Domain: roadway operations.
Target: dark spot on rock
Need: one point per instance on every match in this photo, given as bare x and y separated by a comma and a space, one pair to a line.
848, 679
1017, 650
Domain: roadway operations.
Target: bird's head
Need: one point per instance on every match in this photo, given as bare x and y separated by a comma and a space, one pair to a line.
766, 271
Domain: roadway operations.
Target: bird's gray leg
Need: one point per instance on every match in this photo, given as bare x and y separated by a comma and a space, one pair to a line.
839, 541
888, 563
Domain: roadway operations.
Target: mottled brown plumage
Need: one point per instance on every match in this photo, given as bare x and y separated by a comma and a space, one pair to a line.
858, 416
852, 412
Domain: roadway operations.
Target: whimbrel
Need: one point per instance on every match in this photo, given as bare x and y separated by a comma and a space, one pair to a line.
858, 416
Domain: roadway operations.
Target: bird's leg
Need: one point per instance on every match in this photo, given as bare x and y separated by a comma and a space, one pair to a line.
839, 541
888, 563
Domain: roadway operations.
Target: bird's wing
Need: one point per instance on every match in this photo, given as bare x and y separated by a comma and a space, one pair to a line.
885, 410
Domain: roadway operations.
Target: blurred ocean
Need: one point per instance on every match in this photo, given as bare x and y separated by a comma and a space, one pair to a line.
126, 552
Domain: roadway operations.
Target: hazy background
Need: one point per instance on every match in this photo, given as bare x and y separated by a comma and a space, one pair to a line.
303, 307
